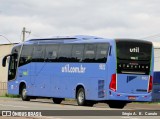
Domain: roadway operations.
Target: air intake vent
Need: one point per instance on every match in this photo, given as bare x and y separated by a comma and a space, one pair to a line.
101, 89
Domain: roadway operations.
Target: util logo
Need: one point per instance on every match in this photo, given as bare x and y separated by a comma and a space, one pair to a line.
136, 49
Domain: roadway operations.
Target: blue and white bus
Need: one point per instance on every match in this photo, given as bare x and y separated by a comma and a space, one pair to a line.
89, 69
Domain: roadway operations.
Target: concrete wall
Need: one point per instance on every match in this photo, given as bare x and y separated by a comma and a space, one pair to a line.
156, 56
4, 50
157, 59
3, 88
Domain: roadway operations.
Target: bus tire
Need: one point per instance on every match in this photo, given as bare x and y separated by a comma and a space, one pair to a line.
117, 104
57, 100
24, 94
81, 100
89, 103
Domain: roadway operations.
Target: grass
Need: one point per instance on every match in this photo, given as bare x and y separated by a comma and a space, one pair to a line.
69, 100
158, 102
10, 95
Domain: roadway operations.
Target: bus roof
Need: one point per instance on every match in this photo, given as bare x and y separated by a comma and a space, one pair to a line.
76, 39
134, 40
67, 39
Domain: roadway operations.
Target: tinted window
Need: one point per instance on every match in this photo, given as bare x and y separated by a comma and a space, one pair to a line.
26, 55
133, 50
12, 67
38, 53
90, 53
102, 52
77, 52
16, 49
133, 56
51, 53
65, 53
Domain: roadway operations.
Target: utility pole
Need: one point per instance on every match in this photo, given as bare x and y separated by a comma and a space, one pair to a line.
24, 32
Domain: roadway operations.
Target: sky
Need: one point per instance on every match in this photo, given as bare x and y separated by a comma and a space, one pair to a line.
138, 19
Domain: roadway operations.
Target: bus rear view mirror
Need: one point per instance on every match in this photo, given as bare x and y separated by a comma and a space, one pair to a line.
8, 59
4, 61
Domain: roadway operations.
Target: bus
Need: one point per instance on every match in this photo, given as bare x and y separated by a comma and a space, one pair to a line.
86, 68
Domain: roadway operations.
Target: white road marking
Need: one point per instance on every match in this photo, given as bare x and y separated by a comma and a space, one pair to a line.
4, 105
128, 117
125, 117
51, 117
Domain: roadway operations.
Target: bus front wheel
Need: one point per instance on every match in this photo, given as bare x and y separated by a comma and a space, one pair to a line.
24, 94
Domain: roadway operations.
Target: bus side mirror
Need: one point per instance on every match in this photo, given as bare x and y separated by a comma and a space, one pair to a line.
4, 61
8, 59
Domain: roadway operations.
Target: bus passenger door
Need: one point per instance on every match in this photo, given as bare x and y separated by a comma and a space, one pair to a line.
12, 85
12, 67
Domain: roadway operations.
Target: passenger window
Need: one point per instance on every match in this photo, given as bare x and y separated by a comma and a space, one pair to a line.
51, 53
38, 53
89, 53
102, 52
77, 52
65, 53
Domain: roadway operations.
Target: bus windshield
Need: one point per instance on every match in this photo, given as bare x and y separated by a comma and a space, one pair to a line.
133, 56
127, 50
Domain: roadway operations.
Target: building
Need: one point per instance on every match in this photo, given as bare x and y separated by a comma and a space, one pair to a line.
4, 50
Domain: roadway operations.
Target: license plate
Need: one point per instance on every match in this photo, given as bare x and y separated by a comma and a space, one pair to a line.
131, 97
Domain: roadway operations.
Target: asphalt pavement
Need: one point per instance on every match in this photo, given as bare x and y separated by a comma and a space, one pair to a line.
72, 107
